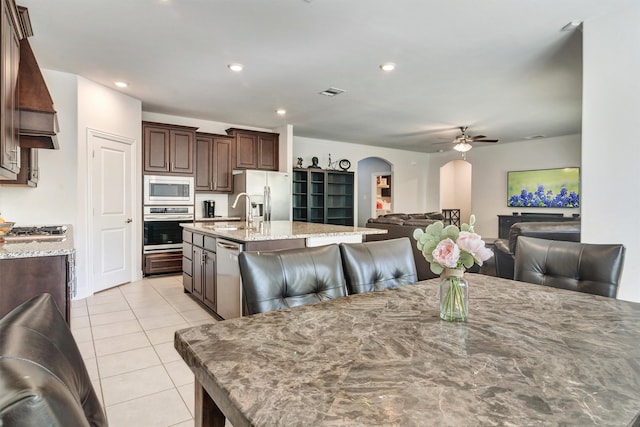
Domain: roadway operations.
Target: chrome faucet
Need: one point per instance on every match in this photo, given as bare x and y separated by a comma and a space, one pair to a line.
248, 209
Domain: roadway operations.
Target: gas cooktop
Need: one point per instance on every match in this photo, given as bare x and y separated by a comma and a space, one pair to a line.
42, 232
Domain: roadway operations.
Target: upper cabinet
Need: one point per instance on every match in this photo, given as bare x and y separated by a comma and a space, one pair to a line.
9, 64
255, 150
29, 172
213, 163
168, 148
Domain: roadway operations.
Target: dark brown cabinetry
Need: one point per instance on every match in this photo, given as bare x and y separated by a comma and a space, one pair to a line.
187, 261
25, 278
160, 263
213, 163
29, 172
199, 257
9, 63
255, 150
168, 148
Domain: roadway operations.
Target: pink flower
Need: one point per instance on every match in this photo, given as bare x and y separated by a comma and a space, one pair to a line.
472, 243
447, 253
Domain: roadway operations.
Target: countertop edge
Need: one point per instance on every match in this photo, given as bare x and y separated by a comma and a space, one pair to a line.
244, 235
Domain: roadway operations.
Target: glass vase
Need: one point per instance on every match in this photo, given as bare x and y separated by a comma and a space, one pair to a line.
454, 296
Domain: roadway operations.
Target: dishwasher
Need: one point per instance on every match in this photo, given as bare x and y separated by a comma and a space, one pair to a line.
228, 286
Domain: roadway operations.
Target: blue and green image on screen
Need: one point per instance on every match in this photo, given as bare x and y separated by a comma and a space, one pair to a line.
545, 188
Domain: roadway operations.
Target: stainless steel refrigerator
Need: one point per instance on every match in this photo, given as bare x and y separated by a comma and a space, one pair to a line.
270, 192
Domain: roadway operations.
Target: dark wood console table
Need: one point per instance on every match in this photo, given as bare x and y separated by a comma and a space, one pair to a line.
506, 221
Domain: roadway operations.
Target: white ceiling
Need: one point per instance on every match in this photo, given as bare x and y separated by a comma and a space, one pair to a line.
501, 67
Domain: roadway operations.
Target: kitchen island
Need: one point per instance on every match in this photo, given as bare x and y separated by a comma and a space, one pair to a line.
29, 267
210, 271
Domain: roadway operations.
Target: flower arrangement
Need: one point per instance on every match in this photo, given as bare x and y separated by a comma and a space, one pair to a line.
450, 250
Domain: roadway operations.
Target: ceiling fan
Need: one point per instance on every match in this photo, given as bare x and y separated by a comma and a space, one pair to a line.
462, 142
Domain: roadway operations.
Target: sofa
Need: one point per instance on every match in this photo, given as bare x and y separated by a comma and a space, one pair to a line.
43, 380
403, 225
505, 249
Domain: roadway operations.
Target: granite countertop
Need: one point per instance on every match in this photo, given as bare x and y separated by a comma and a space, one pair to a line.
529, 355
219, 219
278, 230
38, 248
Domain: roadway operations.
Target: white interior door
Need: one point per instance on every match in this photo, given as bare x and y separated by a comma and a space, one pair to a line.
111, 183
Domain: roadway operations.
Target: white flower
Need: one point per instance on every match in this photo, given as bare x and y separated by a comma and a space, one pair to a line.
473, 244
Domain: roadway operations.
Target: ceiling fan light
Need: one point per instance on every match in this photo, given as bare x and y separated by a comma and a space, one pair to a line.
462, 147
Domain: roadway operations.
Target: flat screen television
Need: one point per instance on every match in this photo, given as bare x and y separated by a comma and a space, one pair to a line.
544, 188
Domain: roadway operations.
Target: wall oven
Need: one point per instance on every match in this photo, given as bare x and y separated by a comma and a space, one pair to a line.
162, 231
168, 190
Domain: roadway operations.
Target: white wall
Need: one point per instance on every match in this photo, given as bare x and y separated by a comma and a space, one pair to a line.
610, 150
106, 110
53, 201
207, 126
61, 195
410, 181
490, 167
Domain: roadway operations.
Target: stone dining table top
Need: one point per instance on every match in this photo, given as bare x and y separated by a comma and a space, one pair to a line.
528, 355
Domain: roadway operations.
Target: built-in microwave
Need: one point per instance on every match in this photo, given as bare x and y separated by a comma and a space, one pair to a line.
168, 190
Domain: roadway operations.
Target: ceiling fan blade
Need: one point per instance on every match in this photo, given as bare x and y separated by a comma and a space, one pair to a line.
485, 140
473, 138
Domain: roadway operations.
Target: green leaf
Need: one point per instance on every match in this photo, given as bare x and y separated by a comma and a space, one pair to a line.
466, 259
436, 268
435, 229
452, 232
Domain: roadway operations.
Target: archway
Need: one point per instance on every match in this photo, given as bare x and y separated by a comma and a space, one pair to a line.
455, 187
368, 191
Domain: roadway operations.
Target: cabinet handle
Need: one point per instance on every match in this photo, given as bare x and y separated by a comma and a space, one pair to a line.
210, 186
129, 220
171, 167
215, 185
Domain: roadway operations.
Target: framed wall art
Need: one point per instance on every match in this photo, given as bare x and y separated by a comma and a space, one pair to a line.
544, 188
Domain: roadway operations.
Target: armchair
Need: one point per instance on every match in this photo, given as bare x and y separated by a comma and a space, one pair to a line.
505, 252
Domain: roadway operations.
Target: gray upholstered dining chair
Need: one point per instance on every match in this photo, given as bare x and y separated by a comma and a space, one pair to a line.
290, 277
374, 266
582, 267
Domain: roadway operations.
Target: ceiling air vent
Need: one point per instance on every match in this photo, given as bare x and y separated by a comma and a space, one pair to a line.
332, 91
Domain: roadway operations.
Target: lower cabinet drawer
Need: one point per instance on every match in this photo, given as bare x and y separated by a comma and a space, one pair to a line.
187, 266
167, 262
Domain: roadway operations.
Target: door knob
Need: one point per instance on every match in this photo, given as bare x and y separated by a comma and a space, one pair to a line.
129, 221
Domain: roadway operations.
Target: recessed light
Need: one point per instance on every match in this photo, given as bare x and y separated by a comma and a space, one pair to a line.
388, 66
235, 67
121, 84
535, 137
281, 111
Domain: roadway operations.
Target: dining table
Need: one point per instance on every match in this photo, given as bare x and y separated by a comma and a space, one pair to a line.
528, 355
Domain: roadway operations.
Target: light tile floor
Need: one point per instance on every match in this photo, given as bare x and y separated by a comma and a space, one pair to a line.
125, 335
